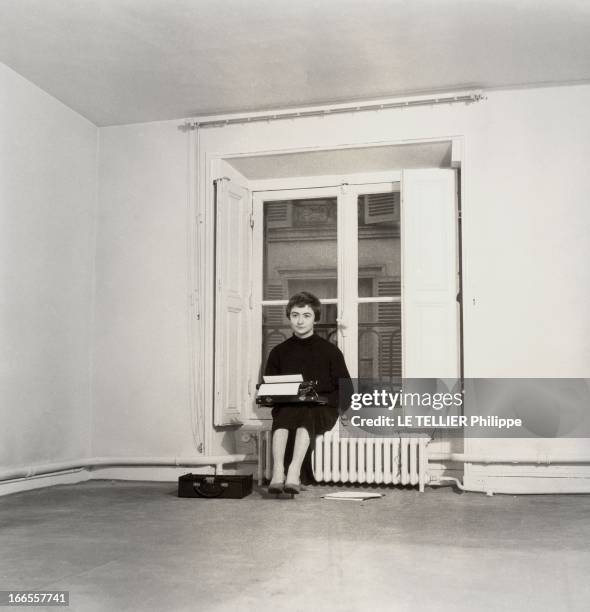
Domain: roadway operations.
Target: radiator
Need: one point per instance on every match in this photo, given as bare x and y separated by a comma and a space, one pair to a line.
399, 460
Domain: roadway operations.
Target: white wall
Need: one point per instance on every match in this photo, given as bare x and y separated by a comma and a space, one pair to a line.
142, 378
525, 216
48, 157
526, 223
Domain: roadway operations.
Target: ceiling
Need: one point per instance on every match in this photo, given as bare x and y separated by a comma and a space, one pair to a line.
128, 61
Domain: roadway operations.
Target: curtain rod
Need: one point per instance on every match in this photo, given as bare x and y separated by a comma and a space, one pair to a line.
318, 111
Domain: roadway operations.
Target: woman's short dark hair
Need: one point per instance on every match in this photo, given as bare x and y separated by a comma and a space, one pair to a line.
304, 298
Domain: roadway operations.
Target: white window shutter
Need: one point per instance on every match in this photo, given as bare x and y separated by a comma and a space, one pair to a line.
430, 282
232, 302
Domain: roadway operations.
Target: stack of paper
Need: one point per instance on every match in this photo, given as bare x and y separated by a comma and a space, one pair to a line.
280, 385
352, 495
283, 378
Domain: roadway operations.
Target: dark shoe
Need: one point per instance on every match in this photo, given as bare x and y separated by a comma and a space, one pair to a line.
274, 488
291, 487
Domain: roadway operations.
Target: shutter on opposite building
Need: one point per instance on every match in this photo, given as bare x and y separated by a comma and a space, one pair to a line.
389, 329
275, 323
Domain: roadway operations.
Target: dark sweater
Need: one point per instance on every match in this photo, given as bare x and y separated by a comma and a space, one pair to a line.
314, 358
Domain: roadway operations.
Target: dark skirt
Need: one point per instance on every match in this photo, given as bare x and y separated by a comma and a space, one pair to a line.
316, 419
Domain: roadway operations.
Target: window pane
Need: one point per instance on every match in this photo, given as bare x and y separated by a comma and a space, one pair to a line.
380, 341
379, 244
276, 328
300, 248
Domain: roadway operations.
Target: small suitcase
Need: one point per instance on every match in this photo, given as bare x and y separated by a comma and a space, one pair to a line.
221, 486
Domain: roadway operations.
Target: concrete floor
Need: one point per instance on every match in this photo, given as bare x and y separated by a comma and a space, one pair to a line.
136, 546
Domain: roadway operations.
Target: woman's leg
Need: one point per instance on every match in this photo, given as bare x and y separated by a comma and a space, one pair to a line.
299, 450
279, 443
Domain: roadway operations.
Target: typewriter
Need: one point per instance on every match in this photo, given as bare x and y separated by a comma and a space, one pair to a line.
288, 389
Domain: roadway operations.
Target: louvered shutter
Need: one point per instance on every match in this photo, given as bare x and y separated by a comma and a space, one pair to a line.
275, 322
278, 214
381, 207
389, 330
232, 308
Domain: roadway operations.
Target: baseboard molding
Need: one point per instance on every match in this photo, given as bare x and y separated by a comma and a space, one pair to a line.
526, 485
490, 484
139, 473
44, 480
162, 474
148, 474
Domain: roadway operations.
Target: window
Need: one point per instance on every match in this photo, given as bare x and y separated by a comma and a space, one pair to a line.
383, 265
343, 245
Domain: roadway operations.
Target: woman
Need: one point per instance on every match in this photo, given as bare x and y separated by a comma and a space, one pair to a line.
315, 359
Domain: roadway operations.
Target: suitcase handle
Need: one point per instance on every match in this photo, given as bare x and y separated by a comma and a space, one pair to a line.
217, 492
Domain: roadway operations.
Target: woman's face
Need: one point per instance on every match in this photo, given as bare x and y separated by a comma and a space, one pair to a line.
302, 320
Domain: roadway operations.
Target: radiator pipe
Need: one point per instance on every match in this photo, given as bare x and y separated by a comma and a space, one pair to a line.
516, 458
36, 470
490, 490
509, 458
440, 480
